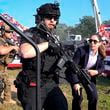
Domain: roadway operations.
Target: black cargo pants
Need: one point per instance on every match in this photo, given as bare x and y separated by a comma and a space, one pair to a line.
53, 100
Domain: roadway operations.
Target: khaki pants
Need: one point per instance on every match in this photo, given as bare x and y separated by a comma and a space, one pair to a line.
7, 87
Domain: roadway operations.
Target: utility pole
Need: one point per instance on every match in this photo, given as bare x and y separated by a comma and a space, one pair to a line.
97, 16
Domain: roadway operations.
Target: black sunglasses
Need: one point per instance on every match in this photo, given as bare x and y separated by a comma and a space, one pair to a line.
94, 41
49, 17
8, 31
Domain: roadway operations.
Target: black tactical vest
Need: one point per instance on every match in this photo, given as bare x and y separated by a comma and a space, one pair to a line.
49, 60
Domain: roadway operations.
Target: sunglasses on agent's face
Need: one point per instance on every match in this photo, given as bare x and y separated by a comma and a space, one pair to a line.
94, 41
49, 17
8, 31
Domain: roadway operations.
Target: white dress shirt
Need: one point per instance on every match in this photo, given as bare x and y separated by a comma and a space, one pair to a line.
92, 59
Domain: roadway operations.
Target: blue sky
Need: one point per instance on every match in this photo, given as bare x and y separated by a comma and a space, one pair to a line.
71, 10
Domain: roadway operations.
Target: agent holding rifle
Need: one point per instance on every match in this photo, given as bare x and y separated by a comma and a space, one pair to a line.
52, 97
90, 58
6, 57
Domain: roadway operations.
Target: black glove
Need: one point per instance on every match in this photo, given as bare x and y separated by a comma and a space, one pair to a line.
54, 47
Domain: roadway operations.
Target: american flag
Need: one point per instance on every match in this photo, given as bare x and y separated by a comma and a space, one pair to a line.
16, 23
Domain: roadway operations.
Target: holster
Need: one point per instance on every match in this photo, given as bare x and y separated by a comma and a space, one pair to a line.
21, 83
21, 79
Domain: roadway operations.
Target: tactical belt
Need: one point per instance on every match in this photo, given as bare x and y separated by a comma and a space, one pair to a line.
45, 76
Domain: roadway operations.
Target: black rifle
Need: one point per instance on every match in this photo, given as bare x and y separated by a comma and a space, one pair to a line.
65, 57
37, 55
82, 73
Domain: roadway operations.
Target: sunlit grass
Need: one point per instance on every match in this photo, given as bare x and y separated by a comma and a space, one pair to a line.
103, 87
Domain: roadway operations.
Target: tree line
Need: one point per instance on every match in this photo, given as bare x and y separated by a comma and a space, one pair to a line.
86, 27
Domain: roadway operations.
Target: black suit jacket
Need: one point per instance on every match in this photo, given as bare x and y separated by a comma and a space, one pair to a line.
81, 57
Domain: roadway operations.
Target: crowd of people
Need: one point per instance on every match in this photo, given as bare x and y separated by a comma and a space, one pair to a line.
89, 57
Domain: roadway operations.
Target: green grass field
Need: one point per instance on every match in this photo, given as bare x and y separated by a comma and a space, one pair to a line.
102, 87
